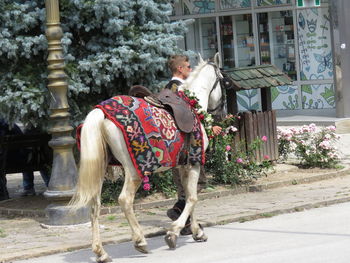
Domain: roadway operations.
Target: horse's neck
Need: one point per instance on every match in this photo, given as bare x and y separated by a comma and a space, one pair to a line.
202, 84
202, 95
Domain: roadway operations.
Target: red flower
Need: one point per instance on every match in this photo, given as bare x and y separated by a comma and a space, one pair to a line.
201, 117
193, 103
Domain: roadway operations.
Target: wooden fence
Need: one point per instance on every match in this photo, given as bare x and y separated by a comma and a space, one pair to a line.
256, 124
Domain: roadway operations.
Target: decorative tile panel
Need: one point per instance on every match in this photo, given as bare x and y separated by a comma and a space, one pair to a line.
318, 96
285, 98
231, 4
198, 7
248, 100
314, 39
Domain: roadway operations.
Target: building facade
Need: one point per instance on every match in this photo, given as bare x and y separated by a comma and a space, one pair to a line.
294, 35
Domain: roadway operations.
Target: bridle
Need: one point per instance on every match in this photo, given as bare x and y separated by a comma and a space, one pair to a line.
221, 79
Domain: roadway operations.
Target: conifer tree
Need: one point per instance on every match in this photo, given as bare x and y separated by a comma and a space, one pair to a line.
109, 45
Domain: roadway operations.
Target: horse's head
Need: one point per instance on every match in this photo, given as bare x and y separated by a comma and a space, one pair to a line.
206, 82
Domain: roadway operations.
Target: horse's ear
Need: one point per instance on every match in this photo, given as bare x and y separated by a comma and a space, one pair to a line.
200, 58
217, 59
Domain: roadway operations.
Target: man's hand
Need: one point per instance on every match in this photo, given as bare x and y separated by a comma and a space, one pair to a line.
216, 130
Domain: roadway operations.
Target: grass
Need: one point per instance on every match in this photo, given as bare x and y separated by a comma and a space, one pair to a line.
267, 214
298, 209
111, 217
124, 224
149, 213
2, 233
294, 182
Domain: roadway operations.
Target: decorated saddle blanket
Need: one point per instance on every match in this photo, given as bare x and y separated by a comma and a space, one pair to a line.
151, 135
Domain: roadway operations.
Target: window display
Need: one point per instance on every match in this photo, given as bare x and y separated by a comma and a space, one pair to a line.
237, 41
245, 41
276, 39
227, 42
264, 38
283, 46
209, 37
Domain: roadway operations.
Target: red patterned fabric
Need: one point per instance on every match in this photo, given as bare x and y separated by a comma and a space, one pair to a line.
151, 135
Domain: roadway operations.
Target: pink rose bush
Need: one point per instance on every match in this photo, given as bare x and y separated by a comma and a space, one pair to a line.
231, 161
313, 146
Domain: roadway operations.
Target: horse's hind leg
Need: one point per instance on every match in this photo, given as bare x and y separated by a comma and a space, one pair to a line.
132, 182
126, 200
97, 247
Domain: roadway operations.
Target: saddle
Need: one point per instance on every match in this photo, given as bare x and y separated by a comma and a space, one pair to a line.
171, 102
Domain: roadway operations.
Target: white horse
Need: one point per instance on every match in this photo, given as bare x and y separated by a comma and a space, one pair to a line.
98, 133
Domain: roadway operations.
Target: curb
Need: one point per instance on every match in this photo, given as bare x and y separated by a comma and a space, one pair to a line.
8, 212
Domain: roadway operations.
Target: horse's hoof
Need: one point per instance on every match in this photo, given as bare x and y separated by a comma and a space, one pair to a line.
200, 238
142, 249
171, 239
104, 259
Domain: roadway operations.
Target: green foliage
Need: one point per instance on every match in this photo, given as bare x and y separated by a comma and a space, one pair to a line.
236, 165
108, 46
111, 191
160, 183
163, 183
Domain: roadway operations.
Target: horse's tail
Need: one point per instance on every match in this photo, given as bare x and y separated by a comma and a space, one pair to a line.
93, 161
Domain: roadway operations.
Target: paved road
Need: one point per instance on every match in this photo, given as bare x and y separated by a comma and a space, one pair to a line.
319, 235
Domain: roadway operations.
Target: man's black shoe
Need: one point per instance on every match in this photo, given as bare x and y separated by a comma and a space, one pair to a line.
174, 213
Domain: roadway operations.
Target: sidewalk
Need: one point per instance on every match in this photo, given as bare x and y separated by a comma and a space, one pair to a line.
289, 189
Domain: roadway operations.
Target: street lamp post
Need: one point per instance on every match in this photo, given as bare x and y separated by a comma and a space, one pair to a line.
64, 170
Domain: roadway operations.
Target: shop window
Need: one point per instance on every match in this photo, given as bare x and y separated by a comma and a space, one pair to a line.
314, 40
237, 41
276, 41
264, 38
227, 42
192, 38
232, 4
283, 46
198, 7
209, 37
273, 2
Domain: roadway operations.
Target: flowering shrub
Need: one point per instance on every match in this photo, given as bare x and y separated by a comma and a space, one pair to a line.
312, 145
233, 165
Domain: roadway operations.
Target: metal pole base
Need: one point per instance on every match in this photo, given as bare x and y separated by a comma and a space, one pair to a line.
59, 214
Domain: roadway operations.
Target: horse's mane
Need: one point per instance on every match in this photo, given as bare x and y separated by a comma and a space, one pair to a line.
194, 74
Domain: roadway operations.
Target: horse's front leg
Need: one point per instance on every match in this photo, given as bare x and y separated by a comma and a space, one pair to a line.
189, 181
126, 201
97, 248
